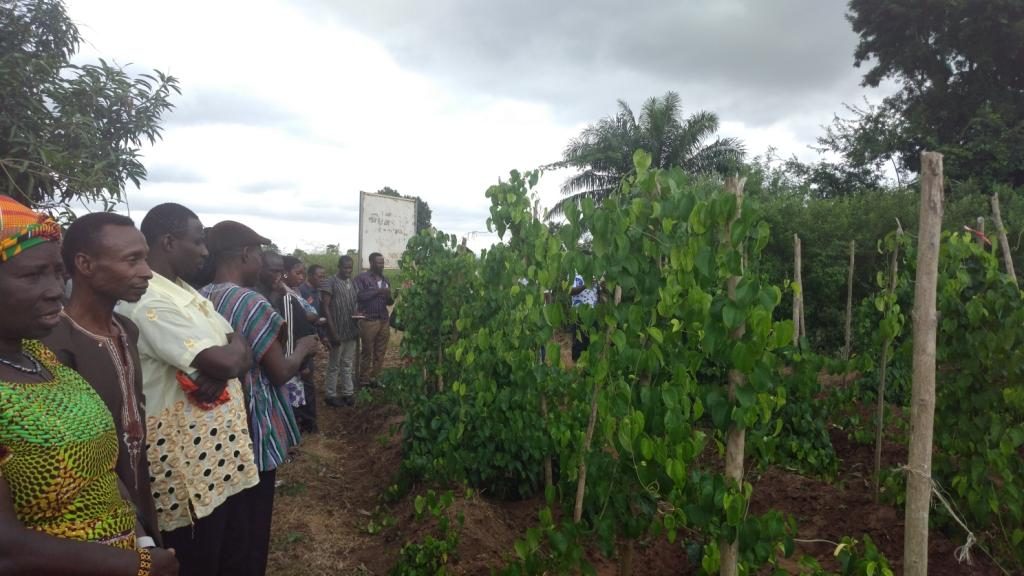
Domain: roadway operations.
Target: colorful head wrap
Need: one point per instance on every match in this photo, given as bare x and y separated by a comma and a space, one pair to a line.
21, 228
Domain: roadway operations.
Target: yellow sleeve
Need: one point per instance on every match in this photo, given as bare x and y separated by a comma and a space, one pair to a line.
173, 337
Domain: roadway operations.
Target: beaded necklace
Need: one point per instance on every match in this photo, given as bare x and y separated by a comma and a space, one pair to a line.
35, 368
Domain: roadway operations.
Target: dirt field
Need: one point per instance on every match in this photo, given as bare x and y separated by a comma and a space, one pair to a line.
330, 517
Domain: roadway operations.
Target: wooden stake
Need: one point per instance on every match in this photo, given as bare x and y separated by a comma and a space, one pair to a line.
581, 482
980, 228
798, 292
848, 328
894, 269
922, 404
1004, 243
735, 439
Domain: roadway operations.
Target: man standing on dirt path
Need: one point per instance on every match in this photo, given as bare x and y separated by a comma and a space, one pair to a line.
338, 296
374, 297
239, 259
200, 453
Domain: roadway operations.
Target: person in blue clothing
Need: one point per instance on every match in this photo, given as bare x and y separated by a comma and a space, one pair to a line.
581, 296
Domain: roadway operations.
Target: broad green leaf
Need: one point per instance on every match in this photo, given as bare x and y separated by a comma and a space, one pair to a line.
746, 395
704, 261
521, 549
783, 335
698, 219
626, 435
647, 448
619, 338
732, 315
763, 235
641, 161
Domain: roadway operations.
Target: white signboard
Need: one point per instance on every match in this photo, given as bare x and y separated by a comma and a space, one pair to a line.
385, 225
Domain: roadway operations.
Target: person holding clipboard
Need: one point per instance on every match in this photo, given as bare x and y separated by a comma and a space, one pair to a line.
373, 293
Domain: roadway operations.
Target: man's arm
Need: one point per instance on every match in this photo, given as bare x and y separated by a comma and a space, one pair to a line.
173, 337
281, 368
332, 326
231, 360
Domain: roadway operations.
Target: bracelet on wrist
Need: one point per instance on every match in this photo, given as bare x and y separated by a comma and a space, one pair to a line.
145, 562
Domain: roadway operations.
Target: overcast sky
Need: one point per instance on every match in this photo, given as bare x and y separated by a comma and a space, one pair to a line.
290, 108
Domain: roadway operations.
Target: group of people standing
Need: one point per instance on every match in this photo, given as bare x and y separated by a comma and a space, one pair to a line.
142, 424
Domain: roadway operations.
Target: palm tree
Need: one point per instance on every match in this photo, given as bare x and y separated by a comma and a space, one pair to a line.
603, 152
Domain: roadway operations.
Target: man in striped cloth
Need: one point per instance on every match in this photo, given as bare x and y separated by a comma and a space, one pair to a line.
238, 258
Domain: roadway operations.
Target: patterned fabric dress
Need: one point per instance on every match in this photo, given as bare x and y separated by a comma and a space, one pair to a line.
58, 447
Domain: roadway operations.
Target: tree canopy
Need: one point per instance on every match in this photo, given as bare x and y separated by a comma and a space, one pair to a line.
423, 212
960, 68
603, 152
68, 131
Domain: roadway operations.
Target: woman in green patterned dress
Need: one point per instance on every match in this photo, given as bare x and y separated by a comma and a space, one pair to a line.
61, 506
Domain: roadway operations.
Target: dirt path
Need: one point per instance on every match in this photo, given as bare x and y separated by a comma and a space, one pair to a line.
324, 512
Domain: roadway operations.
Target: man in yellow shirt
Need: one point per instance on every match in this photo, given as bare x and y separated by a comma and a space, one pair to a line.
200, 452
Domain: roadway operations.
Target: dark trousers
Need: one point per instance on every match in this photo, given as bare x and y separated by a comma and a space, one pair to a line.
305, 416
259, 503
580, 342
215, 545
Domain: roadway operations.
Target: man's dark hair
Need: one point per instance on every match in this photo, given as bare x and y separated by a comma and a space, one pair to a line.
375, 255
313, 269
344, 259
290, 262
83, 235
168, 218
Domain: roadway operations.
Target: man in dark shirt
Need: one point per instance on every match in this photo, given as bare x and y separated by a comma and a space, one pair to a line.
310, 288
106, 257
374, 296
340, 301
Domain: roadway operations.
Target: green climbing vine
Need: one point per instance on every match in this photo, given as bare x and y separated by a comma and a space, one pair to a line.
626, 428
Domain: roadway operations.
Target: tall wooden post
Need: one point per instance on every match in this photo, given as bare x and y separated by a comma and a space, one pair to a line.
1004, 243
735, 439
848, 327
922, 403
798, 293
981, 228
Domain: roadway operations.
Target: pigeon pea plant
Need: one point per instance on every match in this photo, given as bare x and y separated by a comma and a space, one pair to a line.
624, 441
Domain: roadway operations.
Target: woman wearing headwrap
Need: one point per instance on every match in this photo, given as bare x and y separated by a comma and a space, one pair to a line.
61, 507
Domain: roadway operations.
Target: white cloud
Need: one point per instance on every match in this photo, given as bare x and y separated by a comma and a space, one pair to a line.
287, 113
